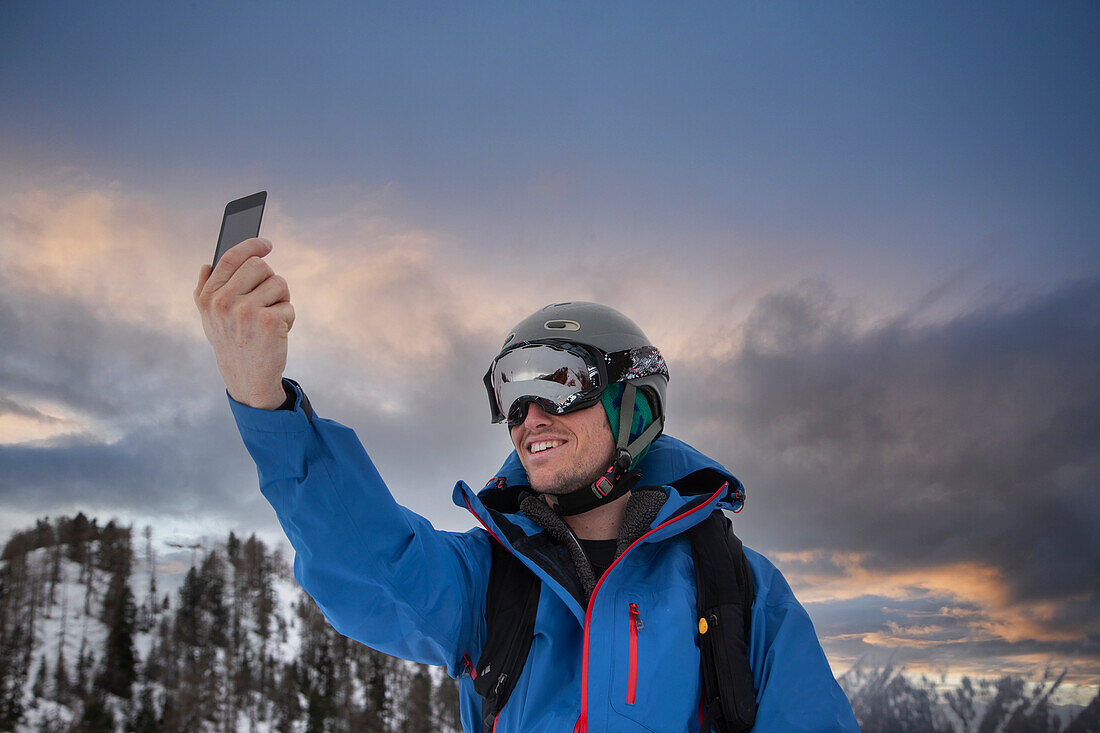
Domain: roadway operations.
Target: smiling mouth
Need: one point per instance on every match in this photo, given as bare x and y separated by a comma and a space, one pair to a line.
542, 446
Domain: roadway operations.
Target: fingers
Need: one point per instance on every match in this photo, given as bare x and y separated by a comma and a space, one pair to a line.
234, 258
271, 291
247, 277
284, 314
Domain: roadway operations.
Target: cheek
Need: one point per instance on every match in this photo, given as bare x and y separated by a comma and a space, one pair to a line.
600, 440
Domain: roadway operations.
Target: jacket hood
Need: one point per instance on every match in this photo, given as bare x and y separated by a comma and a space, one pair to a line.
669, 462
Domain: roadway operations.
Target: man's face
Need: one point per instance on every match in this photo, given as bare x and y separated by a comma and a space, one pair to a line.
563, 453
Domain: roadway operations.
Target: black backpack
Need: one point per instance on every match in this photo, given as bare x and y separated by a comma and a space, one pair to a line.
724, 593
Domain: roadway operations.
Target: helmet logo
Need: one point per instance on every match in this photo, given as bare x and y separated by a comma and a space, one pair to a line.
560, 325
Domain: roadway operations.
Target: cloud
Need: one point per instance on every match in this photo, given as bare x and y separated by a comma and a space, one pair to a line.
969, 440
928, 632
21, 423
13, 408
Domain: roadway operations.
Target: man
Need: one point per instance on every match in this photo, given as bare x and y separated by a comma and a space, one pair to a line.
592, 503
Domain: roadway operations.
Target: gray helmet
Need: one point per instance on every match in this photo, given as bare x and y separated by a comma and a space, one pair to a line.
604, 330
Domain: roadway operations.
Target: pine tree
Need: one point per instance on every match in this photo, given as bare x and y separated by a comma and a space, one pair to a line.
889, 702
320, 698
189, 613
146, 719
377, 687
212, 575
447, 704
55, 572
61, 685
1088, 720
13, 674
85, 662
1010, 695
961, 702
76, 534
16, 632
38, 689
97, 717
147, 617
119, 614
418, 703
287, 708
1035, 715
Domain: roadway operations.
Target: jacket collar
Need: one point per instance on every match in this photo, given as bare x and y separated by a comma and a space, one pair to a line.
690, 479
685, 472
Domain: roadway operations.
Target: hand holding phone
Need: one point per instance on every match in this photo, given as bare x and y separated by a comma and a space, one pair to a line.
245, 308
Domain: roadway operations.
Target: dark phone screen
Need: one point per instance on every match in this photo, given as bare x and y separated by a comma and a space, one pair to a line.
238, 227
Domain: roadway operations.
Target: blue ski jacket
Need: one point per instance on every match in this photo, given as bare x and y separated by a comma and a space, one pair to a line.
624, 660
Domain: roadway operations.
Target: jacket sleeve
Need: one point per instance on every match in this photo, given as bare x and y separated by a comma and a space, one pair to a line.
795, 687
380, 573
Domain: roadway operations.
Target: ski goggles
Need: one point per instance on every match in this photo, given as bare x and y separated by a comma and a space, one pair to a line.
561, 377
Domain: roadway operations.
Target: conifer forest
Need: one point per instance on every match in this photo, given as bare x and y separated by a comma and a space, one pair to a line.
99, 634
92, 640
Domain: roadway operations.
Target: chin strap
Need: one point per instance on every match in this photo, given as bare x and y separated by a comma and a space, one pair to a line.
618, 479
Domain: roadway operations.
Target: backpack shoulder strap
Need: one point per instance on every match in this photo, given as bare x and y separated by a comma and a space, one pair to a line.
724, 594
511, 602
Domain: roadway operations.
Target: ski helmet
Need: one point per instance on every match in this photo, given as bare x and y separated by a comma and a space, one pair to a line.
562, 357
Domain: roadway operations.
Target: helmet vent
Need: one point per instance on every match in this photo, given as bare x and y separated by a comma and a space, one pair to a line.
562, 326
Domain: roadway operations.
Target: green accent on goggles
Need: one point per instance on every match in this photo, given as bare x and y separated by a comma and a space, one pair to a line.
612, 398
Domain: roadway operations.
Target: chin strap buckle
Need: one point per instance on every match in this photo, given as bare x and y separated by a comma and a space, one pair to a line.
605, 484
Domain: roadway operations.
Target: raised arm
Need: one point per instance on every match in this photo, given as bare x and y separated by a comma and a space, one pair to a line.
380, 573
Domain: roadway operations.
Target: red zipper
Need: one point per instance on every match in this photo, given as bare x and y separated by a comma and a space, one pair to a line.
632, 675
582, 720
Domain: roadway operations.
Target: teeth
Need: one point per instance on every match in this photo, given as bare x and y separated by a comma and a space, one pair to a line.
545, 445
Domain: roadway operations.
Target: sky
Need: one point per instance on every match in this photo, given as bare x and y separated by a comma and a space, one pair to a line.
864, 236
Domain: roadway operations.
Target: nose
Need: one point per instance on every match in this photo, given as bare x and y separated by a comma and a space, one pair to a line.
536, 417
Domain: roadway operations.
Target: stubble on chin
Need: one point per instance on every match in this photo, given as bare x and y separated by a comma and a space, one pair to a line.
569, 479
562, 483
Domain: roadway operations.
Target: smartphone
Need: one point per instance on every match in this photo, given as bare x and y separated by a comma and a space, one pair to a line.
240, 221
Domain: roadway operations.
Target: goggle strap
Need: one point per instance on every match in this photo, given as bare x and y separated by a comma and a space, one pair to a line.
648, 436
626, 416
626, 419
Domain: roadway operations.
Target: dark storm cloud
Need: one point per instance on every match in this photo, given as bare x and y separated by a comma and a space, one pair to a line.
11, 407
970, 440
58, 349
183, 466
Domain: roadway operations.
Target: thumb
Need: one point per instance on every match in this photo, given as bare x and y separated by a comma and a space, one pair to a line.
204, 275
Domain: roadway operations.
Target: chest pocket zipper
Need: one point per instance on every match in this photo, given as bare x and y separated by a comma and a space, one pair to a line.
632, 674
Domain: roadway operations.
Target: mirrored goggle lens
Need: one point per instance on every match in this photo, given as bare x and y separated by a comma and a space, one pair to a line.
557, 379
